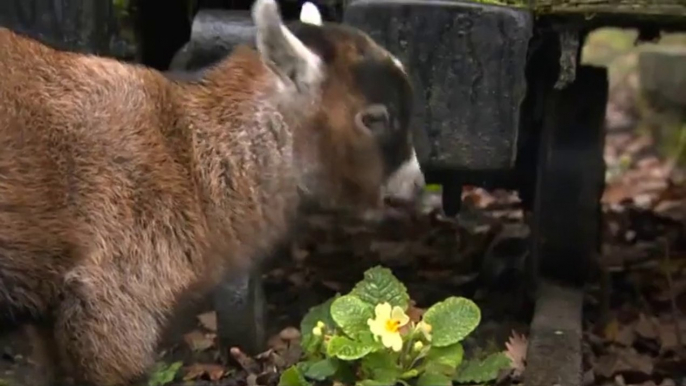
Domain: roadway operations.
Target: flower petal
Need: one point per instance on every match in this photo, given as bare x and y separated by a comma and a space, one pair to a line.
400, 315
376, 327
382, 311
397, 342
387, 340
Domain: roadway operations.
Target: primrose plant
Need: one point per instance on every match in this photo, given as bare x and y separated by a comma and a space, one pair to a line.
367, 338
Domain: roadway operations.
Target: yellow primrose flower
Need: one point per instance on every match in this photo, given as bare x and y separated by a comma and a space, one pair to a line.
317, 330
425, 328
387, 325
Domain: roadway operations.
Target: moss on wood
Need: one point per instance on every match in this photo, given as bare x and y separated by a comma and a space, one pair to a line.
644, 7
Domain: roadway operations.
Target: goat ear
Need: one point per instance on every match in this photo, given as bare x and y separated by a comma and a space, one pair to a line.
309, 13
282, 50
374, 120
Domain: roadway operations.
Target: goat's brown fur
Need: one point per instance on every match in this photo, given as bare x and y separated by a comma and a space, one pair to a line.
122, 191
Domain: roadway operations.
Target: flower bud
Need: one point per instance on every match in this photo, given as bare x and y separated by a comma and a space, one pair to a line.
425, 329
317, 331
418, 346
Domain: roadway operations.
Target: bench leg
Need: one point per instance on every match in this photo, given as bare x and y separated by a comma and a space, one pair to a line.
566, 224
570, 179
451, 197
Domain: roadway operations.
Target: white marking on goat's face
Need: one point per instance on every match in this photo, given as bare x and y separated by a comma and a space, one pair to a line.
310, 14
407, 182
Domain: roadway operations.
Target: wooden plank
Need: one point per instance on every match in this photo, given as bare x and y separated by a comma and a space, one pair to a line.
554, 353
670, 8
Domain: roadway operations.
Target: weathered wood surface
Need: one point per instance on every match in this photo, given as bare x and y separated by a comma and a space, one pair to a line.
469, 72
639, 7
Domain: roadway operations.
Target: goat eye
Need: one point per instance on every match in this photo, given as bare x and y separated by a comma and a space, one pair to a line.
377, 112
374, 118
371, 119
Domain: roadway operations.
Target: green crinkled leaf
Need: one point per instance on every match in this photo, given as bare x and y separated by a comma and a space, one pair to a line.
373, 382
450, 356
452, 320
429, 378
484, 370
409, 374
163, 373
321, 369
293, 377
379, 286
321, 312
381, 367
351, 314
440, 368
347, 349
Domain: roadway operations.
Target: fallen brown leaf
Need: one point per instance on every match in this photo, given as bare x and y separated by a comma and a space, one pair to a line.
607, 365
638, 362
516, 350
251, 380
647, 383
668, 382
415, 313
626, 335
290, 334
248, 364
275, 342
618, 333
198, 340
646, 327
214, 372
623, 360
668, 336
209, 320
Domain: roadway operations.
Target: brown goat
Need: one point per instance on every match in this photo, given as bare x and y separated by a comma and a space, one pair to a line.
121, 191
